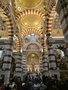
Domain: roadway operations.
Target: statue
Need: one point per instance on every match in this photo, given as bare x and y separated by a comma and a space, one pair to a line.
33, 68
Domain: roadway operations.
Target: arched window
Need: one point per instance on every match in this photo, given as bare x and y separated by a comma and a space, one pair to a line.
62, 53
1, 57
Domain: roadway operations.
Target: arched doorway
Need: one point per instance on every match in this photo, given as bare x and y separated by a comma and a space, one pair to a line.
33, 63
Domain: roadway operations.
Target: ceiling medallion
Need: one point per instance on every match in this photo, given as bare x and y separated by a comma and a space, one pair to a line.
31, 19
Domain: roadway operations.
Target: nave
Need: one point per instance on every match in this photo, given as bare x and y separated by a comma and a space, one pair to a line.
34, 41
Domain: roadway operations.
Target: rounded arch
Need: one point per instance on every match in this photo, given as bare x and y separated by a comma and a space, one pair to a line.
33, 58
33, 46
17, 44
50, 19
50, 13
30, 31
30, 11
61, 47
8, 20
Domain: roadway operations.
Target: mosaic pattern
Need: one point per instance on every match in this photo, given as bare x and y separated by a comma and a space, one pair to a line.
27, 40
57, 24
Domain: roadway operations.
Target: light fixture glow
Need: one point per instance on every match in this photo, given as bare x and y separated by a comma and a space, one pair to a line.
32, 34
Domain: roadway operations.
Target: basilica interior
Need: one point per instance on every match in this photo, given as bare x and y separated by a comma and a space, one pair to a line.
33, 38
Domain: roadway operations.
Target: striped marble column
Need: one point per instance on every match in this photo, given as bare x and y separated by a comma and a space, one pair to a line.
52, 62
18, 62
45, 63
7, 59
62, 10
41, 64
24, 66
8, 42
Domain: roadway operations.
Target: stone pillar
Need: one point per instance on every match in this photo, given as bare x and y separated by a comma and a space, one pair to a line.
51, 55
62, 10
45, 63
41, 65
18, 70
52, 62
7, 60
24, 66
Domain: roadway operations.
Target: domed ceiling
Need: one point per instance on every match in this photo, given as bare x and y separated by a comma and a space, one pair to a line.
30, 14
31, 20
30, 3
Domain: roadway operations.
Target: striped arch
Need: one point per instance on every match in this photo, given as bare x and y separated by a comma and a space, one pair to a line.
31, 53
30, 31
51, 12
61, 47
8, 20
17, 42
36, 46
8, 55
30, 11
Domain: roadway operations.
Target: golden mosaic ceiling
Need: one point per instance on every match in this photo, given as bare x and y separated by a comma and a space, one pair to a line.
29, 14
30, 3
56, 26
31, 20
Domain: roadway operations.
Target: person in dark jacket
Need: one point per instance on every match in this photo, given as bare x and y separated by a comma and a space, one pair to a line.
8, 87
22, 86
1, 88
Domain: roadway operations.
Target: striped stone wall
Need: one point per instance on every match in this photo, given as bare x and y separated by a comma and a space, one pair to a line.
45, 58
41, 64
52, 62
8, 43
62, 10
18, 58
24, 66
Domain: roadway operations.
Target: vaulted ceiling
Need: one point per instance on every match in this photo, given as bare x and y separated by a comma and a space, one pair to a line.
30, 17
